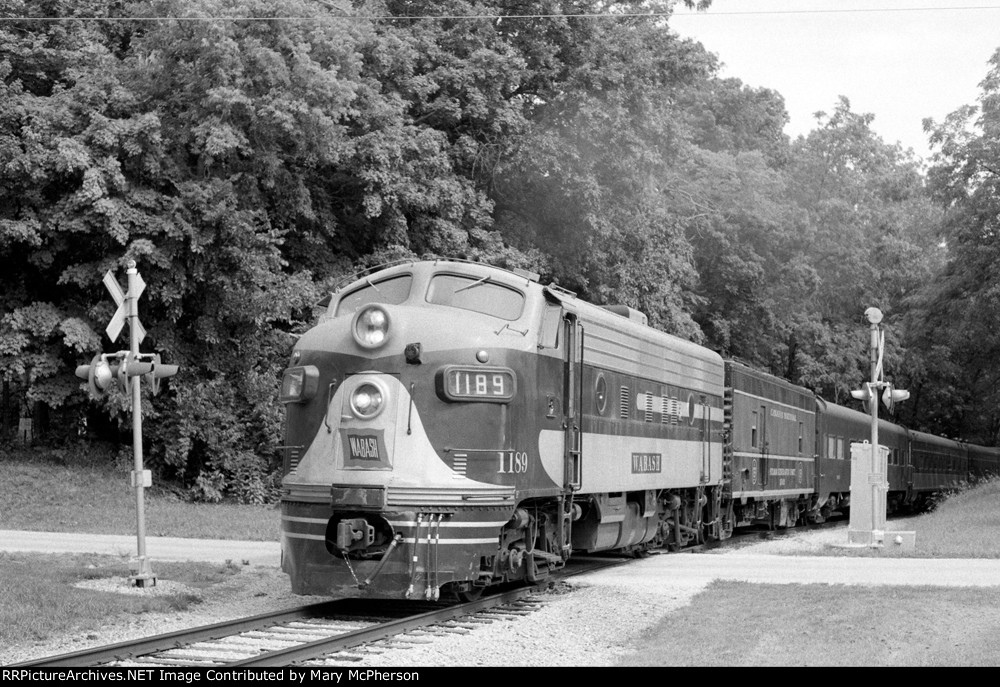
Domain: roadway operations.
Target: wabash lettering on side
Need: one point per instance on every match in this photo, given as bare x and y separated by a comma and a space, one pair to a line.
643, 463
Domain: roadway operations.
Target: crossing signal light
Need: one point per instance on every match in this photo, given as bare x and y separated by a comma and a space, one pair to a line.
149, 368
865, 395
100, 375
153, 371
891, 396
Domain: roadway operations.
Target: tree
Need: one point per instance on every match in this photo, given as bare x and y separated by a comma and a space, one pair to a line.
872, 242
957, 312
587, 182
194, 150
66, 132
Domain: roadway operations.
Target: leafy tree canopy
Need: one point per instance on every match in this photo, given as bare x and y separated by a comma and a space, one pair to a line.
246, 153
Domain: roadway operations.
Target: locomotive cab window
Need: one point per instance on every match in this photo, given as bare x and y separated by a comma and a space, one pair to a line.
392, 291
548, 334
478, 295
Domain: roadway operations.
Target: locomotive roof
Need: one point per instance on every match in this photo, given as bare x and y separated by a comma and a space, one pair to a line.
611, 340
468, 266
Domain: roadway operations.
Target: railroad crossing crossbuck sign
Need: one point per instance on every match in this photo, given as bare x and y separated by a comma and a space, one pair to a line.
118, 320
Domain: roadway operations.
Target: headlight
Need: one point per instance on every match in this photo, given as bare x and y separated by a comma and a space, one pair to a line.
299, 384
367, 400
371, 326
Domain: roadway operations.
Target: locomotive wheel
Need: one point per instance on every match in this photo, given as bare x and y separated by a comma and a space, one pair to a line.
473, 594
454, 592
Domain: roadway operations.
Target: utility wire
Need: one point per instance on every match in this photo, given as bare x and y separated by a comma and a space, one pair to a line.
495, 17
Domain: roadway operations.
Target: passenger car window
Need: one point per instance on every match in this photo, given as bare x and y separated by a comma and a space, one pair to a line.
391, 291
479, 295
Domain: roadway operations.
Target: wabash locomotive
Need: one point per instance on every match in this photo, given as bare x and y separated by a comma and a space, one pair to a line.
452, 426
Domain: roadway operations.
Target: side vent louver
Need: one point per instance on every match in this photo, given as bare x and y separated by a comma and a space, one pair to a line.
623, 402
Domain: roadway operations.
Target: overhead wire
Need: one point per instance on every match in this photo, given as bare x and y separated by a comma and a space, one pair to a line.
495, 17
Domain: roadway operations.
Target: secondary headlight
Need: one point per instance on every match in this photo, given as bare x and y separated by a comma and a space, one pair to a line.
371, 326
367, 400
299, 384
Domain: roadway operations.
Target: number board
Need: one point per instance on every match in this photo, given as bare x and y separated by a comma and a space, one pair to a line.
491, 384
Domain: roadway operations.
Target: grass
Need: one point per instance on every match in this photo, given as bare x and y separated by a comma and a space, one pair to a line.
965, 524
41, 601
79, 494
739, 624
69, 491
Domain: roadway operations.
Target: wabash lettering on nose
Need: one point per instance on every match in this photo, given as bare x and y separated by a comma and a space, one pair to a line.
365, 450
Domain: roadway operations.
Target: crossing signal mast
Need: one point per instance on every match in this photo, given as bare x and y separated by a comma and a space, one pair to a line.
869, 470
126, 369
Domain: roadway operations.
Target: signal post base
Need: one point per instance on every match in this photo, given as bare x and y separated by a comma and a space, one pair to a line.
142, 576
880, 539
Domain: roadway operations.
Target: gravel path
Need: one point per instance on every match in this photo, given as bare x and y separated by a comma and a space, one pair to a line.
591, 618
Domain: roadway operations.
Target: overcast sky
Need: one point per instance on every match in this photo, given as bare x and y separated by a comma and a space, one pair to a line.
901, 60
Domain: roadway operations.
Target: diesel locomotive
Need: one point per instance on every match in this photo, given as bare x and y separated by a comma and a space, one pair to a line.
452, 426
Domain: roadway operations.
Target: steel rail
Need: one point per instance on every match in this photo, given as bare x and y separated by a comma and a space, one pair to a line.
349, 640
172, 640
149, 646
319, 647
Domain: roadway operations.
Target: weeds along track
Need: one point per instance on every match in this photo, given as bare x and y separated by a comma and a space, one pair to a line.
335, 632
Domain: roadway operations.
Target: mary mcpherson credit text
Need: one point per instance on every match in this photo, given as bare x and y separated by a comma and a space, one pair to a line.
296, 676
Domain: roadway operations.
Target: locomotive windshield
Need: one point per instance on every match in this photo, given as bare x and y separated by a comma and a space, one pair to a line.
391, 291
479, 295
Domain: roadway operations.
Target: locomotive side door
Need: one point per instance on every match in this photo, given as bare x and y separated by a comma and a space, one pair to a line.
706, 440
763, 447
561, 329
573, 421
573, 472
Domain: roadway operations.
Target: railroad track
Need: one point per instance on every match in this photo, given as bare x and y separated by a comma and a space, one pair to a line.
339, 631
